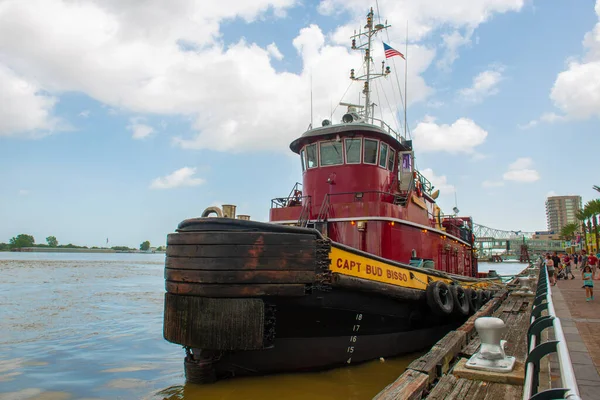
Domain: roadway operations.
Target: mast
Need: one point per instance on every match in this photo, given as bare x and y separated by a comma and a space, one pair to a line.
367, 90
367, 47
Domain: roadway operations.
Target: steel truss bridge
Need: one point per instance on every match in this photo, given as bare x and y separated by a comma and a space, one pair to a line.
507, 244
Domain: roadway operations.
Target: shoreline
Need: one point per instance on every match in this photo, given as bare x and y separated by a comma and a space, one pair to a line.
67, 250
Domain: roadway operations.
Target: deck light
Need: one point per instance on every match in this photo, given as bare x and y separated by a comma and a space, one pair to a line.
352, 223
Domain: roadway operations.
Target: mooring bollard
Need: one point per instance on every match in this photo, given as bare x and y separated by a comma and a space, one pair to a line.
491, 355
524, 290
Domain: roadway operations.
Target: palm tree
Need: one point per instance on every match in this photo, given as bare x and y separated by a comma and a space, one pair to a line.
592, 207
597, 188
568, 231
582, 216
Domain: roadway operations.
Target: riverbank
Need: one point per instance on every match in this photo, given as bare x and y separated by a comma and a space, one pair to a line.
68, 250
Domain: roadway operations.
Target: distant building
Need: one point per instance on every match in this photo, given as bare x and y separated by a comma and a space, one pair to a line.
561, 210
545, 235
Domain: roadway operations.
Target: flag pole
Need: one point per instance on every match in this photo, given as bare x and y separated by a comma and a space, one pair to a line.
405, 79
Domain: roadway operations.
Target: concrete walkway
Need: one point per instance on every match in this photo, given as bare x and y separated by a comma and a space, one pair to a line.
581, 324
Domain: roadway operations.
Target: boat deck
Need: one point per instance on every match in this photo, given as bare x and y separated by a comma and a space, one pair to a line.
440, 374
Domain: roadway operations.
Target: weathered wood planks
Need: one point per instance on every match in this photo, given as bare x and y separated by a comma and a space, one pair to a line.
232, 290
305, 251
223, 324
231, 237
409, 386
250, 277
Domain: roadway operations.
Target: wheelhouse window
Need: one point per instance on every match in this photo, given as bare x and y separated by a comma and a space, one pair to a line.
391, 158
303, 159
331, 153
353, 147
311, 156
370, 152
383, 151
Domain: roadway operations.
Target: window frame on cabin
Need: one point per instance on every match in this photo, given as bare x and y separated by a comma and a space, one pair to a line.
333, 144
316, 155
391, 159
365, 149
383, 156
346, 141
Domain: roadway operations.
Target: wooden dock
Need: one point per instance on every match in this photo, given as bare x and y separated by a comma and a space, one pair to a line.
440, 374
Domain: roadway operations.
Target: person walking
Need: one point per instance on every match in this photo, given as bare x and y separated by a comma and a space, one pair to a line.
588, 282
567, 263
583, 261
593, 262
550, 268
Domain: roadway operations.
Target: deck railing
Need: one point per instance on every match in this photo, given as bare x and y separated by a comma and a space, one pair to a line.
537, 350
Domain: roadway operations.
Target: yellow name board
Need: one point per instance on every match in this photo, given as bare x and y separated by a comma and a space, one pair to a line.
347, 263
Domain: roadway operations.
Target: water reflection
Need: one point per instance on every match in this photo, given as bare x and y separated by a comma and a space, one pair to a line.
356, 382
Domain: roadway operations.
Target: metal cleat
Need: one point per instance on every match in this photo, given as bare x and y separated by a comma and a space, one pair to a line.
524, 290
491, 356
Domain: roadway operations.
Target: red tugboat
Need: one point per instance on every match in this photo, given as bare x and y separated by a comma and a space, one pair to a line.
355, 264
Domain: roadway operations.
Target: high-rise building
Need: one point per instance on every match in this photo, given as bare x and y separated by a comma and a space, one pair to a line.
561, 210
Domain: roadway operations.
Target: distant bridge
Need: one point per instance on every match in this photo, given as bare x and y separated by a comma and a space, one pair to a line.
507, 244
482, 231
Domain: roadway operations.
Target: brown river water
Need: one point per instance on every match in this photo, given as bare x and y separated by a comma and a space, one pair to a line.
89, 326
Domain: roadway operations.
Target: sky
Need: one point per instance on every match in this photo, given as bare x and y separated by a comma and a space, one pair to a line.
121, 118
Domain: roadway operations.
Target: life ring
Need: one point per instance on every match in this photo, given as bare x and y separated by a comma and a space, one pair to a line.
212, 210
439, 298
461, 302
474, 300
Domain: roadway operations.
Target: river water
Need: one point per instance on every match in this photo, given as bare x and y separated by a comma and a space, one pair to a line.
89, 326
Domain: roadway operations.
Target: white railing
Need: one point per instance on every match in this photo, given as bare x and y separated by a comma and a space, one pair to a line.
538, 349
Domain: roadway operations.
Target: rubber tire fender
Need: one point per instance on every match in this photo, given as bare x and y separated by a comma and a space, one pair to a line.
461, 302
486, 296
439, 298
474, 300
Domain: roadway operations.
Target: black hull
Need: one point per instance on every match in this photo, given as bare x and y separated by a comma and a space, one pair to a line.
333, 329
309, 354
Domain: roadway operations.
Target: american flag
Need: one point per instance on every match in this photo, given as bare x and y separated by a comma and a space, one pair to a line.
390, 52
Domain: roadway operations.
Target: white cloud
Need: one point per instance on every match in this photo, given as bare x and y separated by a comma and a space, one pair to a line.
113, 52
460, 137
551, 193
84, 113
484, 84
492, 184
23, 192
24, 109
274, 51
426, 16
521, 171
452, 42
548, 117
179, 178
576, 91
439, 182
140, 131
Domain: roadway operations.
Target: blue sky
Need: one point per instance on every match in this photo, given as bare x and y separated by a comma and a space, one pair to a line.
119, 122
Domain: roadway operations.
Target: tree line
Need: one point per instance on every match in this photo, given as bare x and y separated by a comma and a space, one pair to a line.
25, 240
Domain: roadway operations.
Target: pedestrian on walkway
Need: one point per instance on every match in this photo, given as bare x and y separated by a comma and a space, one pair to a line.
593, 262
583, 261
567, 263
550, 268
588, 283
